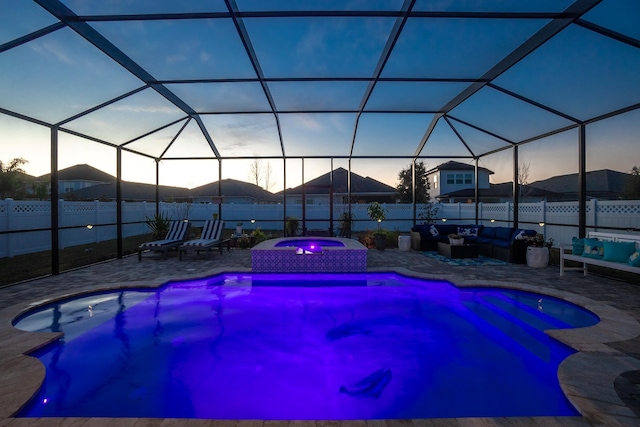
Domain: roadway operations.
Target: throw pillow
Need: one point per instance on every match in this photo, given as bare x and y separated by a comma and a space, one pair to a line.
433, 230
468, 230
634, 259
578, 246
618, 251
520, 235
593, 248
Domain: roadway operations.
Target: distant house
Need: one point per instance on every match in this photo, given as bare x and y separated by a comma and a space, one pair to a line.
451, 177
131, 191
604, 184
363, 190
498, 193
233, 191
77, 177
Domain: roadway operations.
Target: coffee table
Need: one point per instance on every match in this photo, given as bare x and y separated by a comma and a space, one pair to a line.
463, 251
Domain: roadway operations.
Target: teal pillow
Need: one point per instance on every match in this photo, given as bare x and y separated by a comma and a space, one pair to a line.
593, 248
618, 251
578, 246
634, 259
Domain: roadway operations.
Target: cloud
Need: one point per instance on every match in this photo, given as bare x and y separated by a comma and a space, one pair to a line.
141, 109
50, 48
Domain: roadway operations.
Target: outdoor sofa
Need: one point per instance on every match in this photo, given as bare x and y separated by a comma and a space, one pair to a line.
503, 243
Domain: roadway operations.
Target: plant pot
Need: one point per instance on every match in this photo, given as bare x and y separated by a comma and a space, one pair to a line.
380, 241
456, 242
537, 257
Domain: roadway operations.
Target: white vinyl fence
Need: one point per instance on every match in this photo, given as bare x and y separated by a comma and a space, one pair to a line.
88, 222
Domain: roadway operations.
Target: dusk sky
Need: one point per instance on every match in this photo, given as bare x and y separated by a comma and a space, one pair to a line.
317, 71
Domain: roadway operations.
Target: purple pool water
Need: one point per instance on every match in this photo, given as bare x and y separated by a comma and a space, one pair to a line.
323, 346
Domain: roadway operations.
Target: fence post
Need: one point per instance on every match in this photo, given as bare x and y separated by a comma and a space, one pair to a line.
594, 214
61, 218
96, 220
508, 212
10, 236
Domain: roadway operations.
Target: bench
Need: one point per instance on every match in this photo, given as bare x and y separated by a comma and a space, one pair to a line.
611, 237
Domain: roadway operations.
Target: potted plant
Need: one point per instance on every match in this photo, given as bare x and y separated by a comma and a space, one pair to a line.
159, 225
377, 213
455, 239
538, 251
239, 229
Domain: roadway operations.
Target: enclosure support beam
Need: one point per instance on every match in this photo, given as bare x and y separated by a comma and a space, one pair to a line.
55, 212
582, 184
413, 189
476, 189
119, 201
516, 186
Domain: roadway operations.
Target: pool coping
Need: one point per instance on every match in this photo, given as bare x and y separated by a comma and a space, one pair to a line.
586, 377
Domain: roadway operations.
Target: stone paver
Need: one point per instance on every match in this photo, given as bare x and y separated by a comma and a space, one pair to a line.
608, 350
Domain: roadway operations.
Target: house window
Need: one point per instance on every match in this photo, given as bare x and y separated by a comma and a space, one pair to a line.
467, 178
450, 178
435, 181
459, 178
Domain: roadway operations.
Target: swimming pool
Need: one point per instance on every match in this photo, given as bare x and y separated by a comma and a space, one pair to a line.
330, 346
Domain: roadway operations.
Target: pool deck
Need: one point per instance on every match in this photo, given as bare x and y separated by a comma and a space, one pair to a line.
607, 349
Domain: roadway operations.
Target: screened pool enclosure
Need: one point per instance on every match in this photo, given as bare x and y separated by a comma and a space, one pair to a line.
188, 93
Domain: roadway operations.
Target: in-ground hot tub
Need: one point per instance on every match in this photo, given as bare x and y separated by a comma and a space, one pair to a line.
306, 254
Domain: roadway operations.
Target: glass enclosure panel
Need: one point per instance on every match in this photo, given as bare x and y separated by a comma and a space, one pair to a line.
455, 48
185, 174
319, 47
548, 177
444, 142
87, 213
478, 142
190, 143
613, 175
18, 18
316, 134
317, 96
579, 73
156, 143
506, 116
182, 49
83, 7
24, 200
129, 118
492, 6
244, 135
137, 169
390, 134
74, 151
59, 75
617, 15
21, 139
222, 97
285, 5
412, 96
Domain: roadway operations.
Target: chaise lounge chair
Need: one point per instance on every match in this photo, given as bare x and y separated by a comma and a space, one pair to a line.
178, 233
211, 238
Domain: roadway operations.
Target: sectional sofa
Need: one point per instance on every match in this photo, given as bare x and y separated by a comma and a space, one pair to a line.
504, 243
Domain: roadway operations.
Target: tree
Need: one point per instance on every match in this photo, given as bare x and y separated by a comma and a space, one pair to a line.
632, 186
523, 180
428, 211
422, 184
259, 174
12, 178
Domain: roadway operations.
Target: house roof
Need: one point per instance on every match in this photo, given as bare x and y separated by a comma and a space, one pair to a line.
604, 181
80, 173
235, 188
502, 190
130, 191
359, 184
453, 165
